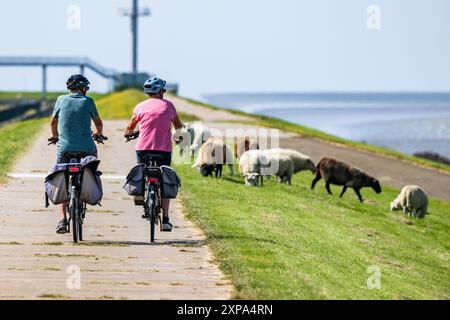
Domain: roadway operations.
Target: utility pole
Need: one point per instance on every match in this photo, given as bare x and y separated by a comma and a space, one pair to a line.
134, 14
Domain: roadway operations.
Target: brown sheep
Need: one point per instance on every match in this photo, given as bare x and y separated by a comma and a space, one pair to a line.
342, 174
244, 144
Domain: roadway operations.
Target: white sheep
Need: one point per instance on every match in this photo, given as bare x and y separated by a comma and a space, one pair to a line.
250, 164
193, 136
412, 199
301, 161
280, 165
200, 135
255, 164
214, 152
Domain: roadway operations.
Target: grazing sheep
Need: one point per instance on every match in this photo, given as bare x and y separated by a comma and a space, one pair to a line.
412, 199
245, 144
280, 165
342, 174
255, 164
192, 135
250, 164
301, 161
200, 135
212, 155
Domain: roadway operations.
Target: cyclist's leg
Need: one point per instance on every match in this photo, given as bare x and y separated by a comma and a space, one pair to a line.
62, 224
165, 203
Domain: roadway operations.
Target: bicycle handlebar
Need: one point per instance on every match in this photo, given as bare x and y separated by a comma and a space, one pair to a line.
131, 136
98, 138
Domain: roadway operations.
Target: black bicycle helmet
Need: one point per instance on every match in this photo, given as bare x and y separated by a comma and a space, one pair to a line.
77, 81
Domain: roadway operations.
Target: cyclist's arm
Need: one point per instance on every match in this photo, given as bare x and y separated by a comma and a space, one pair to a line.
54, 126
131, 125
177, 122
98, 126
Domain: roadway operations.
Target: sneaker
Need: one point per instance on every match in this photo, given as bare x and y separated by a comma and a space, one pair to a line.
166, 225
62, 227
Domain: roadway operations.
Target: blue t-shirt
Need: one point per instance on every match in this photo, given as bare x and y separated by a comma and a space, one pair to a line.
75, 112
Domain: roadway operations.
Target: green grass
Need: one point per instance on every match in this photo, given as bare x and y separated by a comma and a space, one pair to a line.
120, 105
280, 124
15, 139
288, 242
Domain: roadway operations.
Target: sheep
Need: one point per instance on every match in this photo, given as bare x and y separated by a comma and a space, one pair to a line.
412, 199
245, 144
301, 161
342, 174
200, 135
280, 165
212, 155
255, 164
191, 135
250, 164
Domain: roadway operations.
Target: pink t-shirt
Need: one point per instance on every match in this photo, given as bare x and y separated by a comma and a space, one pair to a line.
155, 118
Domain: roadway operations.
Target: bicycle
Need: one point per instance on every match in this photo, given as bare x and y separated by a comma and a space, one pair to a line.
152, 195
75, 207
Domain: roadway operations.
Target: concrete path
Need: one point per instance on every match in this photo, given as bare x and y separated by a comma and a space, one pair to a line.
116, 260
388, 170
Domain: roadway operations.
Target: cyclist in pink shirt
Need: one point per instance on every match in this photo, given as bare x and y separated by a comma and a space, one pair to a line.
155, 117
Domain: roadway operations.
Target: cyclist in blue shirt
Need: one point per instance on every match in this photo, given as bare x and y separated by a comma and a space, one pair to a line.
71, 127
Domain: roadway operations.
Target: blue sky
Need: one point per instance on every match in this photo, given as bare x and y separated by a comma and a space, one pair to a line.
247, 45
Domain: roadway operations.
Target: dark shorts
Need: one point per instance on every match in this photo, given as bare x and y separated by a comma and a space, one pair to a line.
64, 159
166, 157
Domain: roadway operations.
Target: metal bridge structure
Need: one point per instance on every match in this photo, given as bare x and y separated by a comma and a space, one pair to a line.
120, 80
46, 62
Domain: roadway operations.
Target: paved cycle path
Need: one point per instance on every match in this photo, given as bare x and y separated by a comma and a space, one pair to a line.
116, 260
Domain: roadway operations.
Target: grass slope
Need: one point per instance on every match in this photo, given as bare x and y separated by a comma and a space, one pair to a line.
280, 124
120, 105
15, 139
282, 242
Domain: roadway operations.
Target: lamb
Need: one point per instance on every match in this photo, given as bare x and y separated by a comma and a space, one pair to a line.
412, 199
301, 161
255, 164
245, 144
212, 155
342, 174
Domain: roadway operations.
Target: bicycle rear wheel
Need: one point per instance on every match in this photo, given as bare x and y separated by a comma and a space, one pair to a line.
152, 227
73, 210
152, 205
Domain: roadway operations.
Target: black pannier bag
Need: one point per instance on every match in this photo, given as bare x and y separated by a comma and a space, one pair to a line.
135, 185
171, 183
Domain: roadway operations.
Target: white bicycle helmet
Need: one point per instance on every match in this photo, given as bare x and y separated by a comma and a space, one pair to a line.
154, 85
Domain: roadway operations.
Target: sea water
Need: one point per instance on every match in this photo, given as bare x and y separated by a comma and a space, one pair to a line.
407, 122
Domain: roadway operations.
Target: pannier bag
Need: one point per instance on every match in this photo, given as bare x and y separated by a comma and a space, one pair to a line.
91, 184
56, 185
91, 187
171, 183
135, 185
